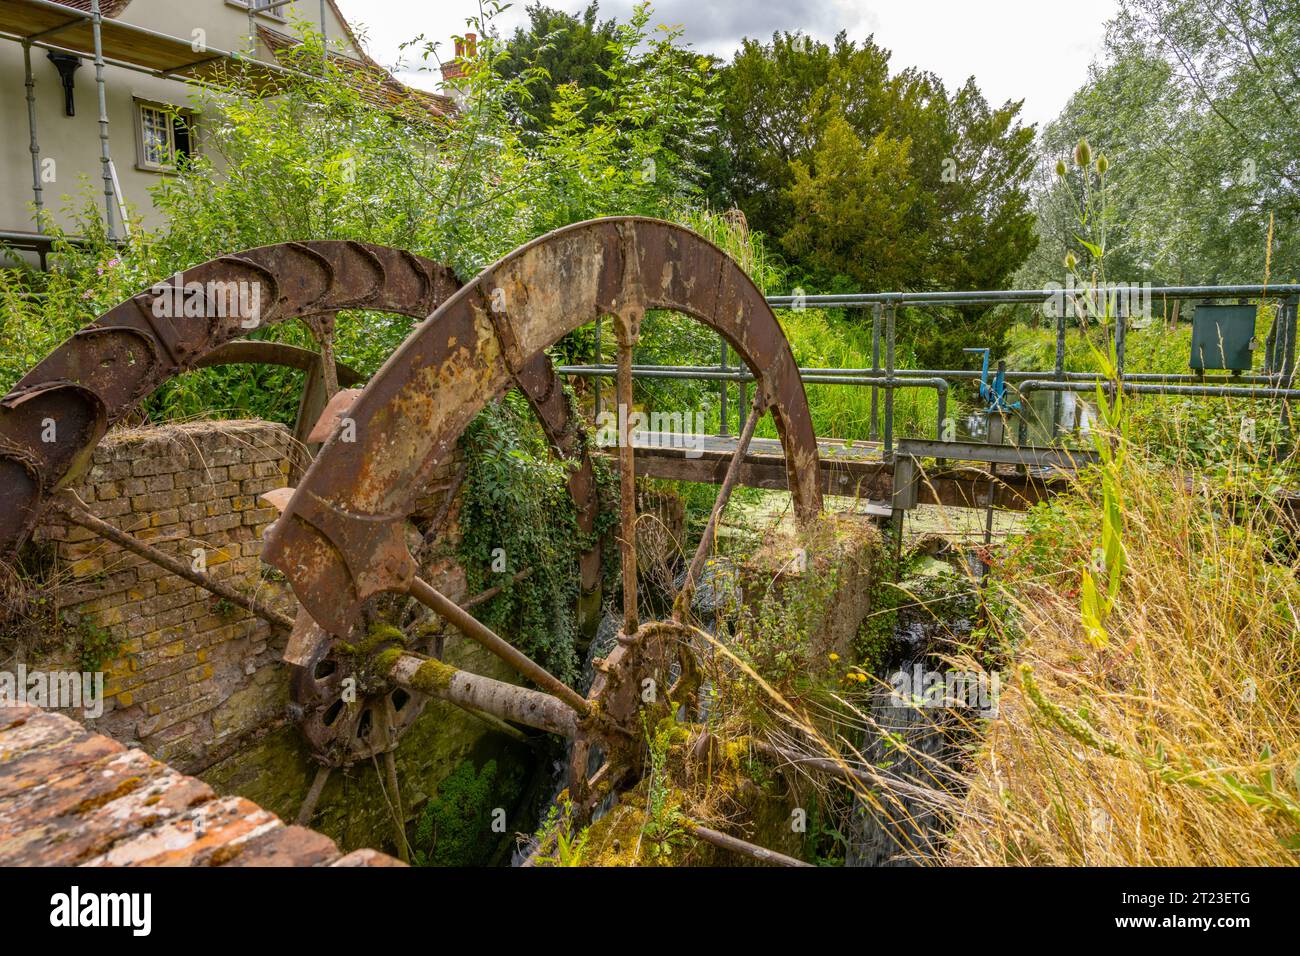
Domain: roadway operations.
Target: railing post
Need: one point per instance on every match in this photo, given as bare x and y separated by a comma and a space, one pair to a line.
874, 429
1121, 337
722, 391
889, 380
1287, 352
1059, 367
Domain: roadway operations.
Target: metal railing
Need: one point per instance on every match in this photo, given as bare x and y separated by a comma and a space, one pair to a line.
1274, 384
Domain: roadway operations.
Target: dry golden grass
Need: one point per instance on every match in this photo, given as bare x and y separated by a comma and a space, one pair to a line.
1178, 743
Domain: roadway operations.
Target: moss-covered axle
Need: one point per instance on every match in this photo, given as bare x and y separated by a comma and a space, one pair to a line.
510, 702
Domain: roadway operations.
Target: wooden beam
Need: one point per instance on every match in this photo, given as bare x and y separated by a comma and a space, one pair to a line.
872, 480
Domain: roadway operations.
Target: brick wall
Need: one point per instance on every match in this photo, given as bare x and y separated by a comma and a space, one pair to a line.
198, 682
73, 798
189, 673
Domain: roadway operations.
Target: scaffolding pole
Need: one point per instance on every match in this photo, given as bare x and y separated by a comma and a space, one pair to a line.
105, 159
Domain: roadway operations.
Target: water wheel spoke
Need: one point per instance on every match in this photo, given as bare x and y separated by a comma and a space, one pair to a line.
479, 632
627, 473
322, 330
682, 602
393, 792
74, 509
308, 808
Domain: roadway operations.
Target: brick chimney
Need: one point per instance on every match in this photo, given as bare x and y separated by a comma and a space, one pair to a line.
466, 49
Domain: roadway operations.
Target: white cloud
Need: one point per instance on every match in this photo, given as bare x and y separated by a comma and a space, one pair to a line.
1036, 50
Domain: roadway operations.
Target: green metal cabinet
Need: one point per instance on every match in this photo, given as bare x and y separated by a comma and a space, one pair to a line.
1223, 337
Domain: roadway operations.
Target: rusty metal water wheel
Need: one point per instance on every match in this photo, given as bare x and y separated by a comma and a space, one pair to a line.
343, 537
102, 373
99, 376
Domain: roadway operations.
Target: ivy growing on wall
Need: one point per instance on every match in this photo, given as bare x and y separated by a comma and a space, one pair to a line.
516, 514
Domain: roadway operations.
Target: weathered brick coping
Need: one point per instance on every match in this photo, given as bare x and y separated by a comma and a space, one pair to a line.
69, 797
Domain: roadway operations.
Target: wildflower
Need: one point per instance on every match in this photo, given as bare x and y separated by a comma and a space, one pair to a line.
1103, 164
833, 656
1060, 167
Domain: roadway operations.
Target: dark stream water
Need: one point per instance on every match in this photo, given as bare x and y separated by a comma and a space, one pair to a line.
918, 747
911, 823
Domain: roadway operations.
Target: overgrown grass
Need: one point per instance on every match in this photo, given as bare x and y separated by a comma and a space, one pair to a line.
835, 340
1178, 741
1156, 348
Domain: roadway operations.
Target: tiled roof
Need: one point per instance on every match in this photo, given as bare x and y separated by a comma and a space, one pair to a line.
375, 84
109, 8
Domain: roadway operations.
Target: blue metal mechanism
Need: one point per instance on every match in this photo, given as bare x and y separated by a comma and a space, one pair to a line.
994, 392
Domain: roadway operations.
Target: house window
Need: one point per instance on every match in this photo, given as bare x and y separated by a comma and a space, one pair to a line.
260, 8
165, 136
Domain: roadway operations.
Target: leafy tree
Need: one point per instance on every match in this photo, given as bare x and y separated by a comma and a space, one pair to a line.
774, 103
850, 208
566, 49
1197, 107
874, 182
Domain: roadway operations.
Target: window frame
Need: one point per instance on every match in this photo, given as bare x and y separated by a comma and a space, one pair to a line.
171, 113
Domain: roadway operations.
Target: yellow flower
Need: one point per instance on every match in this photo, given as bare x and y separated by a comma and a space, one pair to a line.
834, 656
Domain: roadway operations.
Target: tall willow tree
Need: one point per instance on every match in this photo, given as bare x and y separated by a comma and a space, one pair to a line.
1199, 105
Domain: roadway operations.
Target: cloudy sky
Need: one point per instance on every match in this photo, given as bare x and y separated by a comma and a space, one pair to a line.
1036, 49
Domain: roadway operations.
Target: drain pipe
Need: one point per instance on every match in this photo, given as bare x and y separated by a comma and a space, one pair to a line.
105, 159
29, 80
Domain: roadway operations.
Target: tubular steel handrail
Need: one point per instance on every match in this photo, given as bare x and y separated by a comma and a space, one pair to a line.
1273, 384
1026, 296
